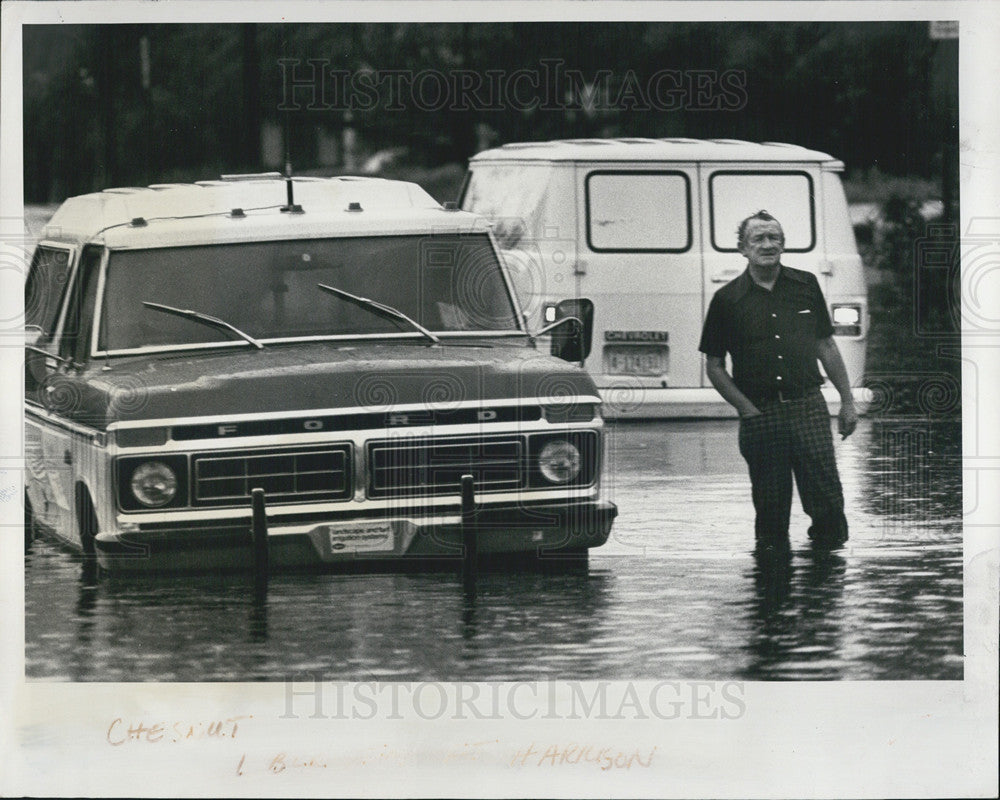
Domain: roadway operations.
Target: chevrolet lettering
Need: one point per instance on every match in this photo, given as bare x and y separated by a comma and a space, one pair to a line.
636, 336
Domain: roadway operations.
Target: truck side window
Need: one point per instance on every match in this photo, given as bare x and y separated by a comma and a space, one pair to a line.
638, 212
788, 196
44, 290
76, 331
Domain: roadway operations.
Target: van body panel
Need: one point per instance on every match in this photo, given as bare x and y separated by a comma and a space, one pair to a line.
643, 272
532, 207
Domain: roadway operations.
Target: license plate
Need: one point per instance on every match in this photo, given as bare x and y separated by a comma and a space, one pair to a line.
635, 360
360, 537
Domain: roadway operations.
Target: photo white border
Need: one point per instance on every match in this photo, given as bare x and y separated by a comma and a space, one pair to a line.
802, 739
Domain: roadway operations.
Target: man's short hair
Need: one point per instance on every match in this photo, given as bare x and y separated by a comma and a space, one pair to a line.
763, 216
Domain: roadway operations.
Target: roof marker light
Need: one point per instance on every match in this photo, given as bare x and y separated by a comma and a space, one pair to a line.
138, 222
237, 212
354, 207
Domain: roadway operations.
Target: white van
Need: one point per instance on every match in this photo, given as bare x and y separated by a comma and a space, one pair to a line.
646, 228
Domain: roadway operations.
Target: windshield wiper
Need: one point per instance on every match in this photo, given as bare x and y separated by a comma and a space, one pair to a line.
206, 319
387, 312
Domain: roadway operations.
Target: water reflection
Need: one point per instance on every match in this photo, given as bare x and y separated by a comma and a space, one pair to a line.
769, 632
470, 625
772, 578
543, 622
86, 604
795, 614
257, 619
674, 594
913, 466
353, 626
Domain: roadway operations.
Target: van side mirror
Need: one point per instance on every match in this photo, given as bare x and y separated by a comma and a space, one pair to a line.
572, 340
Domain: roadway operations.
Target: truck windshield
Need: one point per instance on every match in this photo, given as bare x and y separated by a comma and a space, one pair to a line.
447, 283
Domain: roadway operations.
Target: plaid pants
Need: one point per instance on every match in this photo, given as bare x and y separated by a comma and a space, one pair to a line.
793, 437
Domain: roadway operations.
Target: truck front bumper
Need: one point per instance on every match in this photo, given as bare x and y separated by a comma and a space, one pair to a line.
546, 529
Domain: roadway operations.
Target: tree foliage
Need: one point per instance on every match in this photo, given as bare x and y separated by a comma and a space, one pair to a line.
95, 117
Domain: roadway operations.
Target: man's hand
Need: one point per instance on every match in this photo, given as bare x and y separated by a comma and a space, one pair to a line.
829, 355
847, 419
715, 368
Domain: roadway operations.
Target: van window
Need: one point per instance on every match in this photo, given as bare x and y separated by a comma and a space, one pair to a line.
787, 196
44, 289
511, 196
638, 212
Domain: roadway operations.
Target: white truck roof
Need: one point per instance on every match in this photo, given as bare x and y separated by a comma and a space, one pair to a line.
203, 212
639, 149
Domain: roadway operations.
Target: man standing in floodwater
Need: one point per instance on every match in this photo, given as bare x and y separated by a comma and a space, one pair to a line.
773, 322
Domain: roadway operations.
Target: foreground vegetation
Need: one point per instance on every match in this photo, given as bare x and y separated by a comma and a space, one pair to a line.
875, 186
914, 343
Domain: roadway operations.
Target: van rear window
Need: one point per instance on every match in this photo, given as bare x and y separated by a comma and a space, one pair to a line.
787, 196
638, 212
511, 196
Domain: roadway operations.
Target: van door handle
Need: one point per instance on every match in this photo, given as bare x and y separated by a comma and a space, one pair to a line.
725, 277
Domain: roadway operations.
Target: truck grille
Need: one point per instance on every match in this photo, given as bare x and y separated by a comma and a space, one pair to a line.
300, 475
414, 467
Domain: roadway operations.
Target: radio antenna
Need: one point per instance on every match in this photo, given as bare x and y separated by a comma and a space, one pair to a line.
290, 205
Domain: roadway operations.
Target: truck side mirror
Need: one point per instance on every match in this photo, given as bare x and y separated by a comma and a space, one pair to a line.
32, 335
572, 341
36, 368
36, 360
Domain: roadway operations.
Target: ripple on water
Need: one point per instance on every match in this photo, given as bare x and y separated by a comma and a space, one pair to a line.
675, 592
701, 656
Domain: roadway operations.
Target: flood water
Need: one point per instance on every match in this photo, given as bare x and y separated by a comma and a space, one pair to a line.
675, 593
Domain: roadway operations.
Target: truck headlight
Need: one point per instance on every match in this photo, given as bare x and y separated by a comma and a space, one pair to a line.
559, 461
154, 484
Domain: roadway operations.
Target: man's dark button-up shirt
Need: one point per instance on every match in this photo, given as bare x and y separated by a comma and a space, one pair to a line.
770, 335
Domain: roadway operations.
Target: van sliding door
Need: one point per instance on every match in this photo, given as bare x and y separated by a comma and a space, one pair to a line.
641, 266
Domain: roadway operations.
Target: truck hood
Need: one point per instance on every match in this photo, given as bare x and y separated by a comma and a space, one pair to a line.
322, 375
